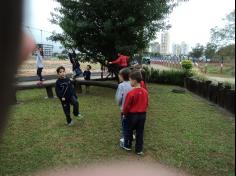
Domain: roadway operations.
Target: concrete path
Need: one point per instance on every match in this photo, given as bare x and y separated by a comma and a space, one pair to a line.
118, 169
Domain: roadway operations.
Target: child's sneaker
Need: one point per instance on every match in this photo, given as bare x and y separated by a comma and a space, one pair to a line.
71, 124
140, 153
122, 141
79, 116
127, 149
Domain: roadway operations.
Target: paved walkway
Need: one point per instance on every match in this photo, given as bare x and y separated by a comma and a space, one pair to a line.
118, 169
220, 79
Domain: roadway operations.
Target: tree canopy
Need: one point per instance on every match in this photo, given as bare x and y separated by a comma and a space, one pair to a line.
197, 51
210, 50
226, 35
102, 28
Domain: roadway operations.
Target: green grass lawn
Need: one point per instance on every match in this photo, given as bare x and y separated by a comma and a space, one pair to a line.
182, 131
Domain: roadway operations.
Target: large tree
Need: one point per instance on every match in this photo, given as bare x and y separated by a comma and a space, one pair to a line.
100, 29
225, 35
227, 52
210, 50
197, 51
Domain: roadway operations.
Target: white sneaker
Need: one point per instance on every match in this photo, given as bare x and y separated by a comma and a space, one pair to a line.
127, 149
140, 153
122, 141
71, 123
80, 116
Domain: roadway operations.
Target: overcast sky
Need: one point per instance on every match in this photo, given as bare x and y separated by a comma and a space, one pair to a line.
191, 22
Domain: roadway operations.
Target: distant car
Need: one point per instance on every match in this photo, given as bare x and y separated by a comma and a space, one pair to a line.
146, 60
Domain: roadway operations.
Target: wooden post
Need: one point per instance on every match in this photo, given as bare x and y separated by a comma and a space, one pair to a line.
222, 65
102, 71
206, 68
49, 92
13, 98
78, 87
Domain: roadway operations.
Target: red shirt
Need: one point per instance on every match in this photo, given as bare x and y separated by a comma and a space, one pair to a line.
136, 101
122, 61
143, 85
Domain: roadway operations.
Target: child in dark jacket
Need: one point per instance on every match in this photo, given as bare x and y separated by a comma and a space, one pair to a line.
66, 93
87, 76
134, 110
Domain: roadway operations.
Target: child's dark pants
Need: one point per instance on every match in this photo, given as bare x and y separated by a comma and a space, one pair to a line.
123, 126
39, 73
135, 121
66, 107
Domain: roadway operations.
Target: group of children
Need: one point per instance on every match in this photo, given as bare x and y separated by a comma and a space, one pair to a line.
131, 95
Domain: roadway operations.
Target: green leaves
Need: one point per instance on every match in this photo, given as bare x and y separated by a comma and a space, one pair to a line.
197, 51
102, 28
225, 35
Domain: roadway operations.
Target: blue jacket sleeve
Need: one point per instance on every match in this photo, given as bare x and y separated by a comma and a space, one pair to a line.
58, 91
119, 95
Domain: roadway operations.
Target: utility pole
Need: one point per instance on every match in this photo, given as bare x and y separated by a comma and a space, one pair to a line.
41, 36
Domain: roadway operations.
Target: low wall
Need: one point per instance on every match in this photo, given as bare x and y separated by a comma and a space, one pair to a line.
221, 95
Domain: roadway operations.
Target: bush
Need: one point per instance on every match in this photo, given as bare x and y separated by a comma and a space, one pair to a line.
173, 77
187, 65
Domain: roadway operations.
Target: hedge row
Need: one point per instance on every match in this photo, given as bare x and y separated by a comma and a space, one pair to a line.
172, 77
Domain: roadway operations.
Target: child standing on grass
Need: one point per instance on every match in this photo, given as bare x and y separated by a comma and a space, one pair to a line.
66, 93
123, 88
39, 64
134, 110
87, 76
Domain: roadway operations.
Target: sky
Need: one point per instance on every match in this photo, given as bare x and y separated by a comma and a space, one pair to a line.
191, 21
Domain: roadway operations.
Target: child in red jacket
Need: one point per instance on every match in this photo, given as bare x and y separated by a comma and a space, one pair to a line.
122, 61
135, 109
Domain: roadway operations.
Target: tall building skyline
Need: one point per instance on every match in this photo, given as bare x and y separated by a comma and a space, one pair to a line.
184, 48
180, 49
165, 43
176, 49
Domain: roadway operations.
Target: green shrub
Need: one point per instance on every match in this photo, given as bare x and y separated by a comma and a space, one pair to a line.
200, 78
173, 77
187, 65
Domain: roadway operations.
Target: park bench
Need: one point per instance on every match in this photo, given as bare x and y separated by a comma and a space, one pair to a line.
50, 84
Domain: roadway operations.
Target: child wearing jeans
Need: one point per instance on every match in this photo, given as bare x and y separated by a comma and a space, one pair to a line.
134, 110
66, 93
123, 88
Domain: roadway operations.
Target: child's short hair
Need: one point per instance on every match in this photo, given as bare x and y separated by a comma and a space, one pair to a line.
125, 72
89, 66
144, 77
60, 68
136, 75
